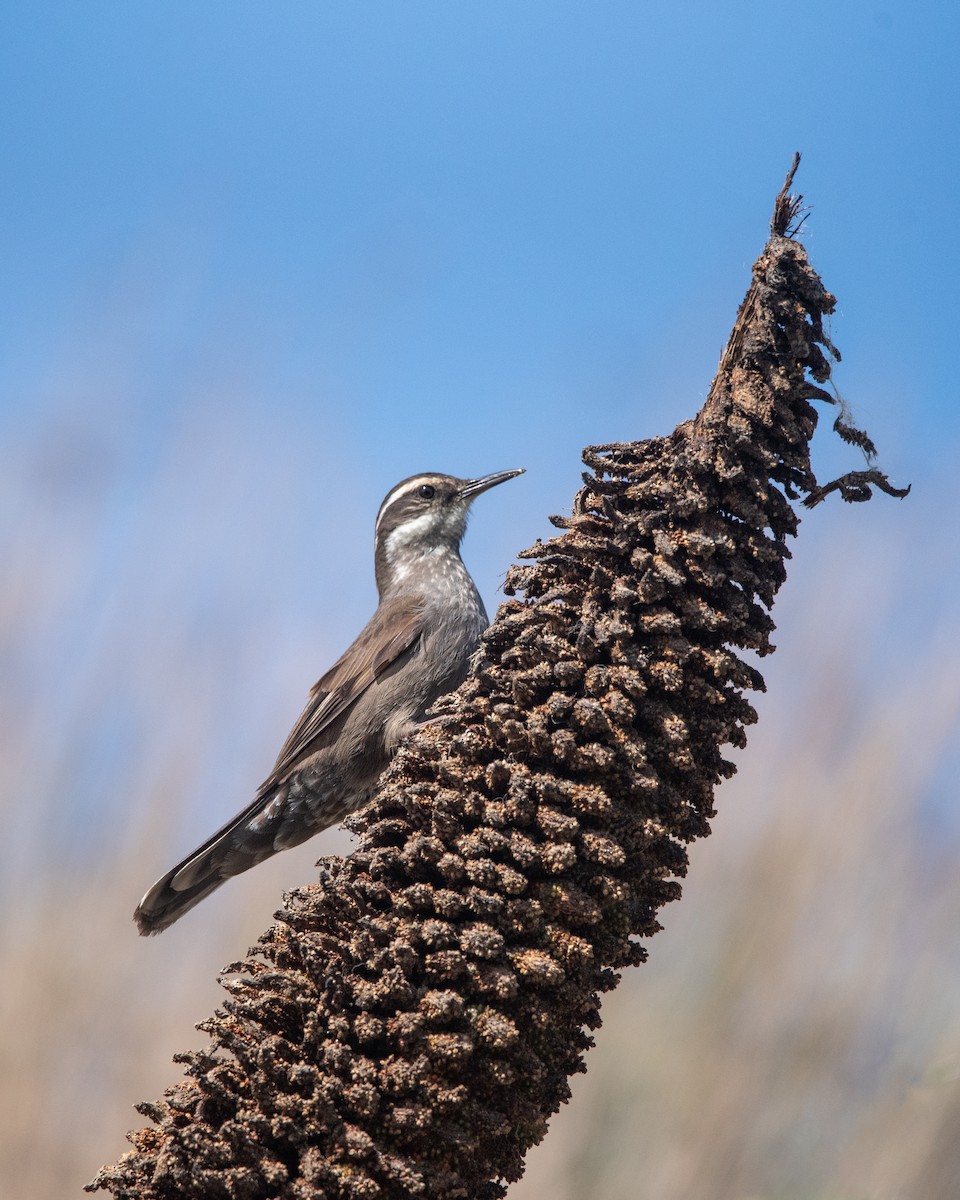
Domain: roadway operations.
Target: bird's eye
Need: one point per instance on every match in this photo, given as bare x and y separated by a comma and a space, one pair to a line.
426, 491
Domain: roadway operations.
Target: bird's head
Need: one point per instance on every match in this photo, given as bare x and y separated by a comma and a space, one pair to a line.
423, 516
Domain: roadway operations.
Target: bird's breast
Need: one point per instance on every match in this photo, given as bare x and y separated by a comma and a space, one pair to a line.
453, 620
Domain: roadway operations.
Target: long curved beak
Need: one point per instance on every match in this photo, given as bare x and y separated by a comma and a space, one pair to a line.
473, 487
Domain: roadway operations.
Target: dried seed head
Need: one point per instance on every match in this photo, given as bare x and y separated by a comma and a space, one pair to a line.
409, 1024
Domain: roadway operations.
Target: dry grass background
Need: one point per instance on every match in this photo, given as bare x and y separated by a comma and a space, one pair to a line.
796, 1033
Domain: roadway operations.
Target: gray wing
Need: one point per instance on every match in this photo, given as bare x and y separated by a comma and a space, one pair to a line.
393, 630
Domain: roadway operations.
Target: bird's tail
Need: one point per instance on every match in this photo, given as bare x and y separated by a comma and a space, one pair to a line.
166, 903
243, 842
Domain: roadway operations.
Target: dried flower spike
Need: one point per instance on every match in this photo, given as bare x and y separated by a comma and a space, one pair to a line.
410, 1023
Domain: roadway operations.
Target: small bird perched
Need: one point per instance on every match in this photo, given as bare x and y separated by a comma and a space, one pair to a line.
415, 648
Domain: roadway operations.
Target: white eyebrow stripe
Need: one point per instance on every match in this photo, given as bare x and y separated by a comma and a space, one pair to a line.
402, 489
399, 490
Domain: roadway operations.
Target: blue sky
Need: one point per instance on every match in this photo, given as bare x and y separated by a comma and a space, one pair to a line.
461, 211
262, 261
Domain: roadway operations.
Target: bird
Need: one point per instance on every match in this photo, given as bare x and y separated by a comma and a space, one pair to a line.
415, 648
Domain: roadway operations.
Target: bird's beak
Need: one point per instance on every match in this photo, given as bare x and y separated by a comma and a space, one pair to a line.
473, 487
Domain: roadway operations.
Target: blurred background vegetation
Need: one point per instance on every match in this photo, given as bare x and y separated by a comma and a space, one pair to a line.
259, 264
